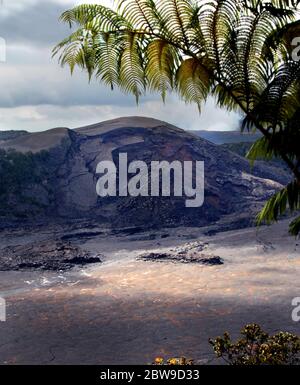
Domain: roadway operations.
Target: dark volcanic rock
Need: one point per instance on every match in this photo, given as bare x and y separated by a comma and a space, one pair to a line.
203, 259
57, 172
188, 253
48, 255
81, 235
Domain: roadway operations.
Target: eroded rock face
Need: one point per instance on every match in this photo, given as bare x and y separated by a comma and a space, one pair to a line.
48, 255
64, 188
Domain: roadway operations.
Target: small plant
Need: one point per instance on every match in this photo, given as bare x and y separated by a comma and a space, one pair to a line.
258, 348
173, 361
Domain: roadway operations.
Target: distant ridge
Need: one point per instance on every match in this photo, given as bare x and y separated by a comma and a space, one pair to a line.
216, 137
224, 137
11, 134
36, 141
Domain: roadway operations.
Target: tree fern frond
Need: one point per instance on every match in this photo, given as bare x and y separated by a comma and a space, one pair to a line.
295, 227
280, 99
105, 19
139, 13
261, 149
131, 71
285, 3
162, 61
278, 204
78, 50
193, 81
108, 51
177, 17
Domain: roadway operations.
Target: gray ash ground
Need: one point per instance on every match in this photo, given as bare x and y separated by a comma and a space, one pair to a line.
129, 311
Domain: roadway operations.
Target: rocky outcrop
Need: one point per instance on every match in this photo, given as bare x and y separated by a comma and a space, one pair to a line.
47, 255
188, 253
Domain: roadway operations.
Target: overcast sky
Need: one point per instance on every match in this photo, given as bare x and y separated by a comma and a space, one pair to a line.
37, 94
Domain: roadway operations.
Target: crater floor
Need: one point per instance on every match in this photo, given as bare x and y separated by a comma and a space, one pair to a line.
128, 311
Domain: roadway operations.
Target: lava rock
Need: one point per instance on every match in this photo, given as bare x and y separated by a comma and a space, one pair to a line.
187, 253
203, 259
47, 255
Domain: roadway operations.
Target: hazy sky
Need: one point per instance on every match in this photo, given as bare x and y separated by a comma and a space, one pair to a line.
37, 94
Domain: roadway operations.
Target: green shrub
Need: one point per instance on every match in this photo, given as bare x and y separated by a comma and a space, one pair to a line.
18, 170
257, 347
173, 361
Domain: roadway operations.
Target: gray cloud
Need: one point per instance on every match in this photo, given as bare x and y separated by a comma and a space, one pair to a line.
38, 94
31, 77
36, 24
42, 117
